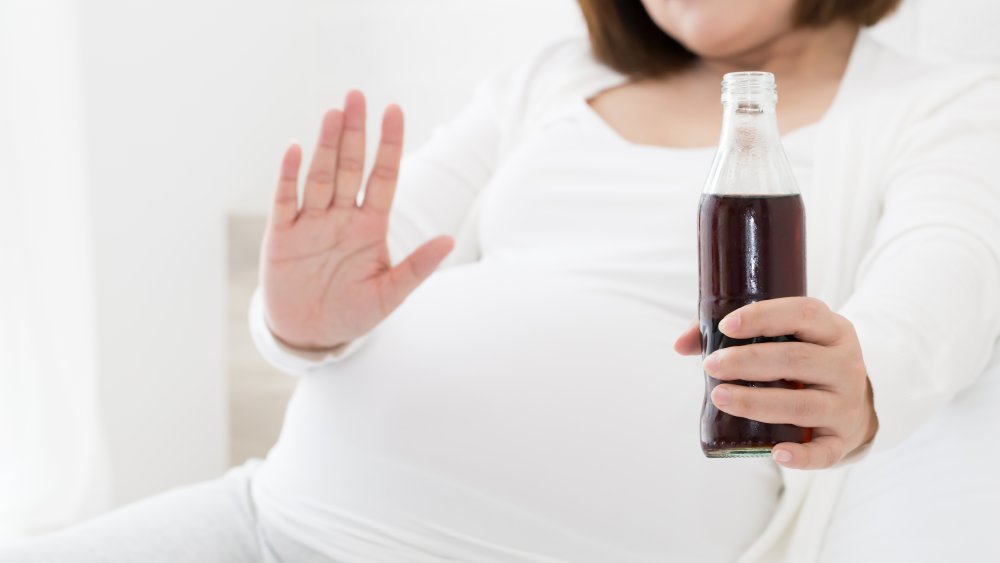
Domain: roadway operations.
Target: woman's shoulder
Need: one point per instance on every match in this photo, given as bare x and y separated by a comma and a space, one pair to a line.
552, 77
883, 76
564, 63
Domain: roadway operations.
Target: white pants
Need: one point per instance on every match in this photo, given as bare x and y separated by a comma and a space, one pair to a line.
212, 522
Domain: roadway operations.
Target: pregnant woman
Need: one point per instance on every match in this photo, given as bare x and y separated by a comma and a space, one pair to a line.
486, 333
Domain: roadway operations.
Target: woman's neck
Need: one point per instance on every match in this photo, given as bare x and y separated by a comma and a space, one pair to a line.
682, 109
801, 54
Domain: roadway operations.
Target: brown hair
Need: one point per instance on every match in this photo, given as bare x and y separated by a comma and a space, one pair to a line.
624, 37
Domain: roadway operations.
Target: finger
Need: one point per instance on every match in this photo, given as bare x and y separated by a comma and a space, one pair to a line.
805, 318
807, 408
411, 272
351, 159
382, 182
820, 453
319, 184
689, 342
286, 203
771, 361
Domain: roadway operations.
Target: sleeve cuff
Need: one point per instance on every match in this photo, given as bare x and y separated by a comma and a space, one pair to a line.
900, 405
286, 358
857, 455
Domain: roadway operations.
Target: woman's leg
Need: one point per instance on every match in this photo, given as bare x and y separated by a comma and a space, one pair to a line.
212, 521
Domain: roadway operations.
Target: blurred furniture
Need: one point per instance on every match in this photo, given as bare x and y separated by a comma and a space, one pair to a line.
257, 392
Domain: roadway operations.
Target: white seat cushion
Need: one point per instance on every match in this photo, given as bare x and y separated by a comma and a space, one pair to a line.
933, 498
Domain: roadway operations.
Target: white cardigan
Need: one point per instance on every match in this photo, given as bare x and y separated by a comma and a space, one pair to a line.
905, 178
903, 222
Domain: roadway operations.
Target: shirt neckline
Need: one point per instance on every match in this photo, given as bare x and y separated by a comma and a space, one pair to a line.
804, 130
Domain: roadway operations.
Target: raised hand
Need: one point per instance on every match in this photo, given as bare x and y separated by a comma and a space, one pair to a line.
837, 402
325, 267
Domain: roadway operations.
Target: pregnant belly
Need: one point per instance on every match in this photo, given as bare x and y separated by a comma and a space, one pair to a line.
543, 394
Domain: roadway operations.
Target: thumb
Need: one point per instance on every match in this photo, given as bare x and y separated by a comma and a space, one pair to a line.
411, 272
689, 342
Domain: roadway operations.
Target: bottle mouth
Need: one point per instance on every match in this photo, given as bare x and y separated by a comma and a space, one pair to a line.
753, 87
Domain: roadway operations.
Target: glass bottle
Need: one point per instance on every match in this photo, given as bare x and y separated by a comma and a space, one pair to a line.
751, 247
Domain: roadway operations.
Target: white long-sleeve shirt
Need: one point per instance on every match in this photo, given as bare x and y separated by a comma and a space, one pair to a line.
524, 404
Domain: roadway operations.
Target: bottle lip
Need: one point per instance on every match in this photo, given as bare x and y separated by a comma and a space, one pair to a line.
749, 86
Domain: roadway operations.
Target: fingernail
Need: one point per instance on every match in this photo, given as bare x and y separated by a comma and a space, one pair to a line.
721, 396
730, 323
781, 456
712, 362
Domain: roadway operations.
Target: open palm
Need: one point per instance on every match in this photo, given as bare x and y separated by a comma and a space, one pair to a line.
325, 267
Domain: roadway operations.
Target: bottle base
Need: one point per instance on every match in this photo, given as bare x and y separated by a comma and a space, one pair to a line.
751, 451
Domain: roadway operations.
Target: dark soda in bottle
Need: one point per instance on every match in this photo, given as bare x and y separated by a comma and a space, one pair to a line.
751, 247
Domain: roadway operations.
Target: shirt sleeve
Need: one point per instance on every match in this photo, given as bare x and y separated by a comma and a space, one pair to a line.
927, 301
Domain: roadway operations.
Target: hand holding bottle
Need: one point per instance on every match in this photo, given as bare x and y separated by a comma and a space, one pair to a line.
783, 374
837, 400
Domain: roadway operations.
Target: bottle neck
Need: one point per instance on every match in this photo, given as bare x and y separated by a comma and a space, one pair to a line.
749, 125
750, 160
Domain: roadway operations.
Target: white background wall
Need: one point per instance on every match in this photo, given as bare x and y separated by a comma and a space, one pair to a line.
188, 105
